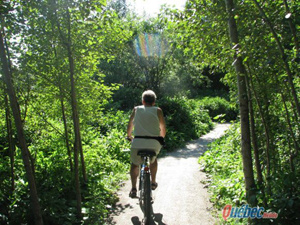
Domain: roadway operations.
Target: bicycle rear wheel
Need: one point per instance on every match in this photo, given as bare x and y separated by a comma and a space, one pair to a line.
148, 211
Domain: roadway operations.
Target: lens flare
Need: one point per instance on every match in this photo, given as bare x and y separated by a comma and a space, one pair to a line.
154, 45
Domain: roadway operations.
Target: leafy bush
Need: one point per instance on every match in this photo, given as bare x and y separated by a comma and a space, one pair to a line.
126, 98
185, 120
223, 170
219, 107
223, 163
106, 166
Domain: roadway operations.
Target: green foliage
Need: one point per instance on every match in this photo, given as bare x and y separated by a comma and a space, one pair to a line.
185, 120
103, 143
223, 163
219, 108
106, 167
126, 98
269, 52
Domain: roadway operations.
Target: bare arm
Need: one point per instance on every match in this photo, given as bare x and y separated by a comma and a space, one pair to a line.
162, 123
130, 124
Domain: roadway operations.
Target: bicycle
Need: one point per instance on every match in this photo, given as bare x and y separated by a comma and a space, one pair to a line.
145, 197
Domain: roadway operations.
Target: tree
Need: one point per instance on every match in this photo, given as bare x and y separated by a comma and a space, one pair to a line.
275, 111
244, 107
21, 136
283, 55
67, 42
10, 142
62, 52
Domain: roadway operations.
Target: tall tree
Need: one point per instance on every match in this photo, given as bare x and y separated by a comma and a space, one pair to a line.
282, 54
243, 104
10, 142
67, 42
63, 111
21, 136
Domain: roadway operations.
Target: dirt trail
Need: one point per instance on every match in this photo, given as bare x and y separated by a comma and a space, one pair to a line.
180, 198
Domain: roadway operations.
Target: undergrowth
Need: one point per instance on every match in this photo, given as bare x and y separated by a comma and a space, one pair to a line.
224, 167
223, 164
185, 120
218, 108
106, 164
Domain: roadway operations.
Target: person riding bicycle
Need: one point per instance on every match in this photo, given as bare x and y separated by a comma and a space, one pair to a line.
149, 126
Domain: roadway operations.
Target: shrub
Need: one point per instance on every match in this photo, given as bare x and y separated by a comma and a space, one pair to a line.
106, 167
126, 98
223, 163
219, 107
185, 120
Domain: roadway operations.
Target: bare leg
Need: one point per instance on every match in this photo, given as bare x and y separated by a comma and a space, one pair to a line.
134, 172
153, 169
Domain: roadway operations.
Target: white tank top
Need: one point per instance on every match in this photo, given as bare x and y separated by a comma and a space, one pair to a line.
146, 123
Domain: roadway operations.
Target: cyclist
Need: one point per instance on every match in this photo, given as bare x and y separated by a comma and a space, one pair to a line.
149, 129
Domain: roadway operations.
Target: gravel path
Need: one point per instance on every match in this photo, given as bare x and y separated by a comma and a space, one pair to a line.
180, 198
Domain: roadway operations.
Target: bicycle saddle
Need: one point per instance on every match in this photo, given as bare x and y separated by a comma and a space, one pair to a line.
147, 152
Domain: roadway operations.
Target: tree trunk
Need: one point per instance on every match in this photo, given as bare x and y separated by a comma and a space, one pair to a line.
293, 104
74, 99
10, 143
292, 155
21, 136
67, 44
26, 101
244, 110
283, 56
266, 118
66, 129
253, 136
8, 121
61, 98
77, 133
84, 176
255, 145
266, 134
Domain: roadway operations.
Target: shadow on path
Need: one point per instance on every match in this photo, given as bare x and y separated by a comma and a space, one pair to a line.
119, 209
157, 220
116, 211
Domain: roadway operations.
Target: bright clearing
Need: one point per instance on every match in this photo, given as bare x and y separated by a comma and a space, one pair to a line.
151, 7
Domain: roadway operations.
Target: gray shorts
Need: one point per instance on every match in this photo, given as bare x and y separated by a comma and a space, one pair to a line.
137, 160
